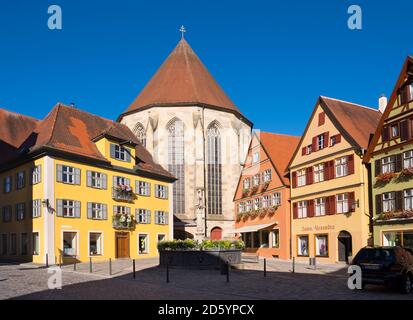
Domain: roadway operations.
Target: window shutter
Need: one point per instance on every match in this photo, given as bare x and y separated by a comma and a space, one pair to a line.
59, 211
77, 209
398, 162
326, 171
351, 200
156, 191
24, 211
104, 211
89, 178
127, 155
112, 150
114, 181
148, 212
127, 181
294, 177
321, 118
127, 210
399, 200
59, 173
332, 173
326, 137
385, 134
137, 186
309, 176
89, 210
77, 176
310, 208
295, 211
314, 144
377, 167
378, 204
350, 161
404, 130
148, 189
40, 173
304, 151
331, 205
338, 138
104, 181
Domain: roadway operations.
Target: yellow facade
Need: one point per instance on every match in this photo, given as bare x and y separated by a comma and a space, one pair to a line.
54, 230
326, 225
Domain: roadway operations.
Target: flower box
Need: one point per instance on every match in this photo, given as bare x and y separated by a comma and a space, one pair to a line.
407, 172
385, 177
123, 221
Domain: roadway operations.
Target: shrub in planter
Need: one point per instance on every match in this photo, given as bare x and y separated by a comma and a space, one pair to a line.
407, 172
222, 244
245, 192
385, 177
187, 244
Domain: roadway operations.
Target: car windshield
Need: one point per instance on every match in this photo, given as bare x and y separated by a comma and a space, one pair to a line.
376, 254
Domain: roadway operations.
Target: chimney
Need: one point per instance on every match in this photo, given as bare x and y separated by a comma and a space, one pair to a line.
382, 103
73, 105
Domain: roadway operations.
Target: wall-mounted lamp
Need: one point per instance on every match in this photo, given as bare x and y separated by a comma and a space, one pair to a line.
46, 203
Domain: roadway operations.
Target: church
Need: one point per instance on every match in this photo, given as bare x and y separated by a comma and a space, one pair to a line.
193, 129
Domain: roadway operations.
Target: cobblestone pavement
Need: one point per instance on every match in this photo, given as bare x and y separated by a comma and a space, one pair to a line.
28, 281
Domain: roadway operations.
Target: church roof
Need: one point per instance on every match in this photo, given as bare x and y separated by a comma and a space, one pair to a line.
183, 80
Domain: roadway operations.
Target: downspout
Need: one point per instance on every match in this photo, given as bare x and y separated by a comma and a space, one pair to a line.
204, 155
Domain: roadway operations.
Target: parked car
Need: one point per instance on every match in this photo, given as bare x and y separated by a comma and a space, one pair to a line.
389, 266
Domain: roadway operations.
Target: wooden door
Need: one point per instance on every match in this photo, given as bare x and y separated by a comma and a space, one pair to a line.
122, 245
216, 234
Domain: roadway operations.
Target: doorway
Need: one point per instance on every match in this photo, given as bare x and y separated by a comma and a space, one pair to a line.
122, 245
216, 233
345, 249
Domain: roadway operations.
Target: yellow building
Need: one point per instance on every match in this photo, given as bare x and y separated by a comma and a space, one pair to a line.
75, 186
329, 183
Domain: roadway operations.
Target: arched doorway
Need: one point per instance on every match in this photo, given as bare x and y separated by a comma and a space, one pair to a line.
345, 247
216, 233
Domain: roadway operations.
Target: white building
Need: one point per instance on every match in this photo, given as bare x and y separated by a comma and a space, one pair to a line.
183, 117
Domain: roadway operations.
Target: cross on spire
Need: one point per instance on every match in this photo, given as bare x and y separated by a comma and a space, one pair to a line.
182, 30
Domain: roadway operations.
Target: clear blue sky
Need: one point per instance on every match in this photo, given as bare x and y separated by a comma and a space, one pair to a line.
273, 58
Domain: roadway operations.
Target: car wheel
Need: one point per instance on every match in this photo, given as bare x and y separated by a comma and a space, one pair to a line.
406, 284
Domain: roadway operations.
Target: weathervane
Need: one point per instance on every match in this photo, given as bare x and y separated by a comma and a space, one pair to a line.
182, 30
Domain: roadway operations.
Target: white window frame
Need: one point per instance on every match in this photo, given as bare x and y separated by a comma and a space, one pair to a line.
147, 243
8, 184
70, 173
267, 175
320, 207
249, 205
388, 164
35, 253
255, 157
120, 153
143, 188
318, 172
36, 208
241, 207
20, 183
247, 183
68, 208
342, 203
77, 242
161, 217
96, 179
143, 216
276, 199
318, 237
341, 167
120, 210
320, 142
302, 207
301, 178
257, 203
97, 211
408, 159
256, 180
101, 240
408, 199
161, 191
265, 201
388, 201
300, 238
36, 174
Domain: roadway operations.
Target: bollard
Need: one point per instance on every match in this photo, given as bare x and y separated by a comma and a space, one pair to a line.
293, 264
315, 263
134, 269
74, 266
265, 267
60, 262
110, 266
227, 271
167, 272
90, 265
47, 260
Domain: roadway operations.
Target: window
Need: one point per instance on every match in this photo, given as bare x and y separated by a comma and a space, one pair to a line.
408, 159
24, 243
256, 180
7, 214
319, 172
265, 239
394, 129
97, 211
320, 142
214, 173
389, 201
302, 209
265, 201
334, 140
143, 216
161, 237
36, 174
255, 157
35, 243
121, 210
388, 164
68, 208
176, 163
20, 180
320, 207
342, 205
36, 208
246, 183
321, 245
276, 199
70, 244
20, 211
143, 243
341, 167
309, 149
301, 177
143, 188
13, 244
161, 191
95, 243
398, 238
249, 206
7, 184
4, 244
302, 243
119, 153
68, 174
275, 238
161, 217
96, 180
255, 239
241, 207
408, 199
267, 175
140, 133
257, 203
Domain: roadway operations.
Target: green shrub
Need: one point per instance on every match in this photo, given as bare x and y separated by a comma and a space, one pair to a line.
190, 244
187, 244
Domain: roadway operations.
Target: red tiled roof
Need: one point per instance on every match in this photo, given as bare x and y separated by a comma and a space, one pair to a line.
280, 149
183, 79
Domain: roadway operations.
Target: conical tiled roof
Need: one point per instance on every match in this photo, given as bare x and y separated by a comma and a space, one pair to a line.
183, 80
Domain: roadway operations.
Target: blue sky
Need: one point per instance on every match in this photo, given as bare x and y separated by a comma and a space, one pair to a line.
273, 58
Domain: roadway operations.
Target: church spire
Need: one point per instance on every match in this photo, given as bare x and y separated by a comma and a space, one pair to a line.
182, 30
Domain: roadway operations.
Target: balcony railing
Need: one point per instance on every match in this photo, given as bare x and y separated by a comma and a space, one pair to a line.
122, 193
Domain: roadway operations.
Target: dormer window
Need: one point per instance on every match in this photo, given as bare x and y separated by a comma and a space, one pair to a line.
255, 157
395, 131
320, 142
119, 153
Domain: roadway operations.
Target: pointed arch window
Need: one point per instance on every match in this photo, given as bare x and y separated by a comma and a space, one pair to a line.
140, 133
214, 170
176, 163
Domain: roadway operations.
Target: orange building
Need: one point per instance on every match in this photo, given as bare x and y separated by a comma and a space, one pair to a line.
261, 199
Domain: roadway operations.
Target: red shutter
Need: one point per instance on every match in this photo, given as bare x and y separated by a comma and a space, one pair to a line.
331, 167
377, 169
398, 162
350, 162
304, 151
404, 130
321, 118
351, 199
310, 208
399, 201
326, 171
309, 176
331, 205
314, 145
326, 137
295, 211
338, 138
385, 135
294, 177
